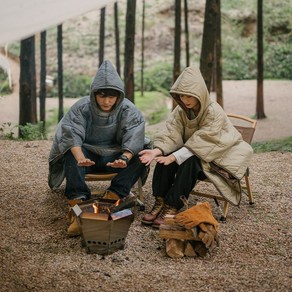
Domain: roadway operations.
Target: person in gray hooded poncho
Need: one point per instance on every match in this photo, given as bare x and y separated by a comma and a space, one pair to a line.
199, 141
102, 132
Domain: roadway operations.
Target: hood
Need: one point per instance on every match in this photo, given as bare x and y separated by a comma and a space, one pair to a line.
106, 78
190, 82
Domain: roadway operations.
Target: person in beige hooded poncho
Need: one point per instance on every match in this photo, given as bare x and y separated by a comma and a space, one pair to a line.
199, 141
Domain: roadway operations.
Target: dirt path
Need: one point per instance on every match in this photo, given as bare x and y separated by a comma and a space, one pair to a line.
239, 98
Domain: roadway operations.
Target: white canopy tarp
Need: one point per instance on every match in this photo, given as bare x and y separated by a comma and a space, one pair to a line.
20, 19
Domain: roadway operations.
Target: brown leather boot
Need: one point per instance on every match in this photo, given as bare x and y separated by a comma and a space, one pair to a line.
110, 195
167, 210
157, 207
73, 229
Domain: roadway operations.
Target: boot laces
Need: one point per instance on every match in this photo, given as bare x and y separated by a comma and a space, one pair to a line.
167, 210
157, 206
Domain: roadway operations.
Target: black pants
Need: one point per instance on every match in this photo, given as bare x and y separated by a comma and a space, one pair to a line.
173, 180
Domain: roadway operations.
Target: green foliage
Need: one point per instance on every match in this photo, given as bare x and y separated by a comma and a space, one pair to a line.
4, 83
240, 53
156, 78
29, 132
32, 132
278, 62
241, 62
282, 145
73, 86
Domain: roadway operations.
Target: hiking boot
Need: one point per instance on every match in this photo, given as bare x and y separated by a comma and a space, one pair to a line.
167, 210
157, 207
110, 195
73, 229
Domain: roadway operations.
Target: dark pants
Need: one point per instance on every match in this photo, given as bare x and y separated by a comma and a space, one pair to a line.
121, 184
173, 180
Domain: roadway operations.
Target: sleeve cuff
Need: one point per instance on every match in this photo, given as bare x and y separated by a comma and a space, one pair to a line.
182, 155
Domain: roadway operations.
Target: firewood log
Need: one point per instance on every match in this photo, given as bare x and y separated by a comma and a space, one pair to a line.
170, 229
200, 248
189, 250
175, 248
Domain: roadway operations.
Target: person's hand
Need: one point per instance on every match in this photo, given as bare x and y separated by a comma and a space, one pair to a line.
85, 162
80, 158
147, 155
166, 160
118, 163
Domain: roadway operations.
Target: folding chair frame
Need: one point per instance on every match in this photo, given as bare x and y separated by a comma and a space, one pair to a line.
247, 135
109, 177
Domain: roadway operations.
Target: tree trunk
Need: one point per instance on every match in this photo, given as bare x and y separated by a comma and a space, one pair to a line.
177, 47
260, 114
142, 49
208, 43
218, 66
187, 33
43, 78
27, 82
117, 38
101, 35
177, 37
130, 49
60, 72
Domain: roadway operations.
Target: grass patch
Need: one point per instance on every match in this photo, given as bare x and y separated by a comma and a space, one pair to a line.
282, 145
52, 121
153, 105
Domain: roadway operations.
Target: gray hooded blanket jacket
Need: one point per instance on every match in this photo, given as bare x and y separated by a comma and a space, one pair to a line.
103, 133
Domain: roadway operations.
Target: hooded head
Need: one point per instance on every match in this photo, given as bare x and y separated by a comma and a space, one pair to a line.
191, 83
107, 82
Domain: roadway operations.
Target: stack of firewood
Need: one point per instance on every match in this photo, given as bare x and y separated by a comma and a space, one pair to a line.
180, 241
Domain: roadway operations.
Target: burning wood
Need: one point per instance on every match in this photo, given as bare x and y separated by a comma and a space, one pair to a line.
125, 203
96, 216
104, 224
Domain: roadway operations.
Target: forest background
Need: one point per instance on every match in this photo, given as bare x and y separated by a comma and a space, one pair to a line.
81, 52
239, 51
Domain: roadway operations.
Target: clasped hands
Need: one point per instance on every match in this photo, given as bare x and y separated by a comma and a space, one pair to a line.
148, 155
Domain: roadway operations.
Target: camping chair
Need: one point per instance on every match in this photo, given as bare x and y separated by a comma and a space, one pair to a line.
109, 177
246, 128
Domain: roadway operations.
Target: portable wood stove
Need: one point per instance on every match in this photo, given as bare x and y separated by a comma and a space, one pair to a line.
103, 231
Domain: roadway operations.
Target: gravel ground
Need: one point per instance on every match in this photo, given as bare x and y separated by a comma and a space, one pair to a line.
36, 255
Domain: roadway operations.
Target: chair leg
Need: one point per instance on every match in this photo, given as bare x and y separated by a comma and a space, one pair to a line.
248, 188
224, 211
140, 190
140, 199
225, 208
